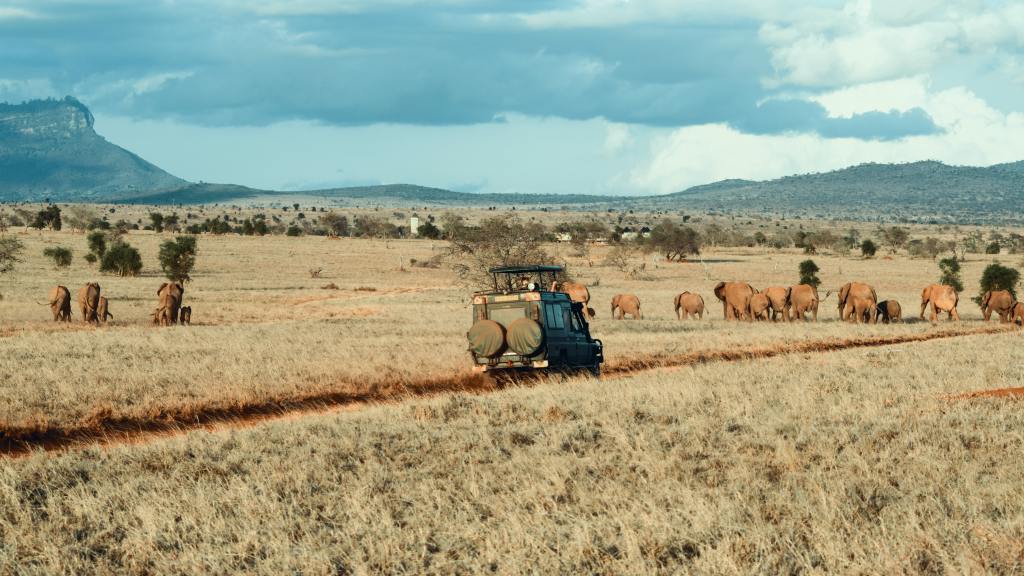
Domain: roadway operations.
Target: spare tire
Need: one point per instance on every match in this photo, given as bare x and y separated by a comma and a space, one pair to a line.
525, 336
486, 338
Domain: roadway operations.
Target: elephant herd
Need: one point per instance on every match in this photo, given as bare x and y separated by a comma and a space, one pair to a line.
857, 302
96, 308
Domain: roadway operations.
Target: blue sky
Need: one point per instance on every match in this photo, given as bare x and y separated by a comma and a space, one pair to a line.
589, 96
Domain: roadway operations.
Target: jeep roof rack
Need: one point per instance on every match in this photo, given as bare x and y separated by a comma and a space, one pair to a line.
505, 277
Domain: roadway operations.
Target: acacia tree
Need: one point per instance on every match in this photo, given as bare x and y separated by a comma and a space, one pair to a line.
178, 257
950, 268
998, 277
498, 241
809, 273
895, 237
673, 241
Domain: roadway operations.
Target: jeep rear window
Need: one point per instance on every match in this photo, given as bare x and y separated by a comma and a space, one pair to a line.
506, 316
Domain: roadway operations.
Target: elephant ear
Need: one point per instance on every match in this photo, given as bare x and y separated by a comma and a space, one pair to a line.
181, 288
986, 297
718, 290
161, 288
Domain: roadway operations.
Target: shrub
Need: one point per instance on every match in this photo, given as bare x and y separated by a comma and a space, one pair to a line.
10, 250
429, 231
178, 257
950, 268
998, 277
809, 273
97, 242
992, 248
48, 217
91, 258
293, 230
60, 255
158, 221
121, 259
868, 248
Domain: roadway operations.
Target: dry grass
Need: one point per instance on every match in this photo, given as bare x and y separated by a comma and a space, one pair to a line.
849, 461
265, 331
853, 463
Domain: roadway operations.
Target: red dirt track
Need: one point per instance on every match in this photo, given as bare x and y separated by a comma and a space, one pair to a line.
106, 430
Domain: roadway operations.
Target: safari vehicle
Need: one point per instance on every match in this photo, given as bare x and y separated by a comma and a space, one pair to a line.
522, 324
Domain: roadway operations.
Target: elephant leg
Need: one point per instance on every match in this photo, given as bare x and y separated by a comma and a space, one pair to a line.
953, 314
639, 314
924, 305
987, 314
935, 313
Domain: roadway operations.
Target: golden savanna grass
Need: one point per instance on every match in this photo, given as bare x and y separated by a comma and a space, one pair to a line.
842, 461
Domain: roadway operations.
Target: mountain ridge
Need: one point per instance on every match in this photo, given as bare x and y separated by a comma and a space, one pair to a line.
49, 150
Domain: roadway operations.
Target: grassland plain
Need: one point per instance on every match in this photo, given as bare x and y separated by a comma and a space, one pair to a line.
848, 462
265, 330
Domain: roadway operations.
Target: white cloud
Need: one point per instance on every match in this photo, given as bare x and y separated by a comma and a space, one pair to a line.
617, 137
869, 41
973, 134
11, 13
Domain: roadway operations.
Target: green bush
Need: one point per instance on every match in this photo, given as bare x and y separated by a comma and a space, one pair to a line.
809, 273
178, 257
992, 248
60, 255
293, 230
868, 248
97, 242
950, 268
998, 277
121, 259
91, 258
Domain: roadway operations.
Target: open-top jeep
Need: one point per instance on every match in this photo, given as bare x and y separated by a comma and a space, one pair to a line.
522, 324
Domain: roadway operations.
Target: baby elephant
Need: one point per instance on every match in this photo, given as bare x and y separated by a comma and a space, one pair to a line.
103, 310
1017, 314
185, 315
890, 311
760, 306
623, 304
689, 304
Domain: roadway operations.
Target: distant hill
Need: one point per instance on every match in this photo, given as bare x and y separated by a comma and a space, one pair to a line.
912, 191
385, 193
48, 149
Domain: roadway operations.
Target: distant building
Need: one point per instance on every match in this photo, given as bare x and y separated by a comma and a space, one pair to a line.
414, 226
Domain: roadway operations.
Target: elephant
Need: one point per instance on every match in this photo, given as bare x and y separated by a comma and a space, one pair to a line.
626, 304
103, 310
858, 303
185, 315
88, 300
735, 299
175, 291
803, 298
760, 306
689, 304
778, 299
1017, 313
999, 301
163, 315
577, 292
943, 299
890, 311
60, 303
